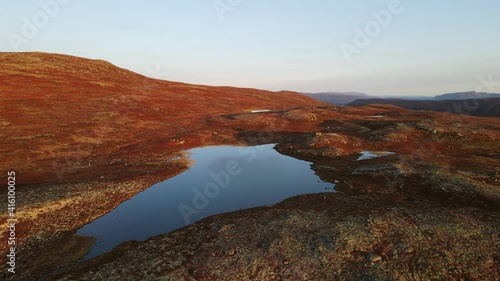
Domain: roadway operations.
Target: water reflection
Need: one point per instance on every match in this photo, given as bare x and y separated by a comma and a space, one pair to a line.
222, 179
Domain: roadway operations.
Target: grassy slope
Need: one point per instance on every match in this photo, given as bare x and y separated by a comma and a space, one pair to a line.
63, 107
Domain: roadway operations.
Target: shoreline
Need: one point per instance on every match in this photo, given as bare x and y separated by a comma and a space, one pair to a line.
332, 153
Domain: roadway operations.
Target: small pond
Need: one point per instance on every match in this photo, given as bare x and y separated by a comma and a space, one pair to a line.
221, 179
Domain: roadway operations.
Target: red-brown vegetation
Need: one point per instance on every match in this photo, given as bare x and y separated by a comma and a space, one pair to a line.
84, 135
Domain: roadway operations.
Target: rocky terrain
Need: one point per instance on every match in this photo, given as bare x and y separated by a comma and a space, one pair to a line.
83, 136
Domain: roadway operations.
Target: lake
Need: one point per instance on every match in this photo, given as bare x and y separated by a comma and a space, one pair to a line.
221, 179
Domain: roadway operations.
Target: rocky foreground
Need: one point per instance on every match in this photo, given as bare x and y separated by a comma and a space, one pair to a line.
430, 211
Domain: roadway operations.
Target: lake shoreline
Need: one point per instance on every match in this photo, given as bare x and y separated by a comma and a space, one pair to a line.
406, 184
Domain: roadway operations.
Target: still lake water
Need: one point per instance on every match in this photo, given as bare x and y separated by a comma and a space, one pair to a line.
222, 179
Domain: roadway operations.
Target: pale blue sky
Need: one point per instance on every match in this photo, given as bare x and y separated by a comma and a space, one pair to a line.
429, 47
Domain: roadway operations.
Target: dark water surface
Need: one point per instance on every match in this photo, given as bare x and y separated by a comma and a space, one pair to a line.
222, 179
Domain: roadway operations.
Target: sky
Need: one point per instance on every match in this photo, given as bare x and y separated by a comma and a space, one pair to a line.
379, 47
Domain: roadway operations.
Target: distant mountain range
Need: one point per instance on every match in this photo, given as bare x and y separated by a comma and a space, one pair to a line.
469, 103
476, 107
338, 98
344, 98
466, 95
